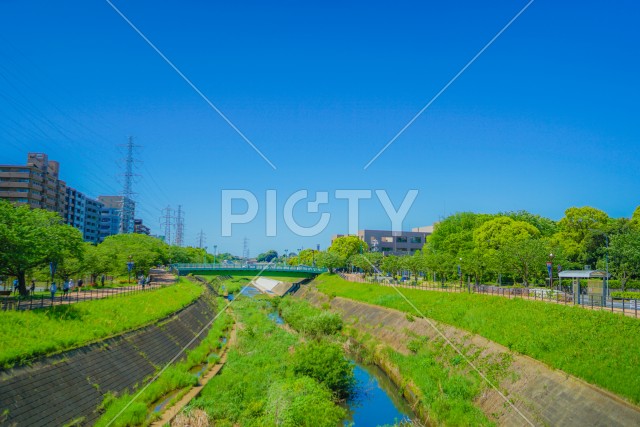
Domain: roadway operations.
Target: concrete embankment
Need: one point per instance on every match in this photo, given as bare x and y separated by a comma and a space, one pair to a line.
544, 396
70, 386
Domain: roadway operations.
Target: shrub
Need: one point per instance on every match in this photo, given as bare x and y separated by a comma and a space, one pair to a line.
326, 363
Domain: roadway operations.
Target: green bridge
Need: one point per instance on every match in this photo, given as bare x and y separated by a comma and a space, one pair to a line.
249, 269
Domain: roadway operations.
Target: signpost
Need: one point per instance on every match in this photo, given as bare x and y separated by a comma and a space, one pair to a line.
130, 265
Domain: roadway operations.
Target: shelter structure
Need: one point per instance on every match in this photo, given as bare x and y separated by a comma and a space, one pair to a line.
597, 282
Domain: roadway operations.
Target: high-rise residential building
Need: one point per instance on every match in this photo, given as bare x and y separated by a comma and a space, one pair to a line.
140, 228
93, 209
124, 207
109, 222
75, 205
36, 184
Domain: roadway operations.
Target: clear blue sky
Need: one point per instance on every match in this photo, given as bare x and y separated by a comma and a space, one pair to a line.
545, 119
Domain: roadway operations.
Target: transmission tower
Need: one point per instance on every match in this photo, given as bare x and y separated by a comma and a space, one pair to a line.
127, 211
180, 226
202, 239
166, 222
245, 248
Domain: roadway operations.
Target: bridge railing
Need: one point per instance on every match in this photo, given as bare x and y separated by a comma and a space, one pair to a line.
258, 267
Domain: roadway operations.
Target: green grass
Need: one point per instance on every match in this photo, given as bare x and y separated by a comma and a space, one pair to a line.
176, 377
27, 334
599, 347
258, 386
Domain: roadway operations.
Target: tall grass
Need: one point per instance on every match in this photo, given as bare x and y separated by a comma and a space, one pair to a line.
599, 347
258, 385
27, 334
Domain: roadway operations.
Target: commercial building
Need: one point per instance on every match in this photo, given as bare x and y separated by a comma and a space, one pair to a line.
36, 184
392, 242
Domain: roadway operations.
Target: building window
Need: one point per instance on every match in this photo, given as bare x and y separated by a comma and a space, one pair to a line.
416, 240
387, 239
401, 239
385, 249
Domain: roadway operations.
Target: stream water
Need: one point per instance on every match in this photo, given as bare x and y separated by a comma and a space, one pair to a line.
376, 400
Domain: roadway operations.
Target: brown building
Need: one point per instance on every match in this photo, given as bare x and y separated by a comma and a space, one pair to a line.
36, 184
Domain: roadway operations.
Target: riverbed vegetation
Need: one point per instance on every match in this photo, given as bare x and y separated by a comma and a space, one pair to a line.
275, 377
30, 333
599, 347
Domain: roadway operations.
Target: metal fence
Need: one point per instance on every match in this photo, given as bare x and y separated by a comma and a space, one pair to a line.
565, 296
33, 302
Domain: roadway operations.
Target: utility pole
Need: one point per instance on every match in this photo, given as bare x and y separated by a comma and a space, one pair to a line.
166, 221
180, 227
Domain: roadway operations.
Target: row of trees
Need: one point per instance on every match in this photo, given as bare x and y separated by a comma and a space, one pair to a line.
32, 239
513, 245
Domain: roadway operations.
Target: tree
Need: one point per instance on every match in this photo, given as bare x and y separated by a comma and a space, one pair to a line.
576, 233
546, 226
499, 231
442, 263
391, 265
268, 256
624, 256
347, 246
31, 238
635, 219
474, 264
455, 233
144, 251
527, 258
330, 260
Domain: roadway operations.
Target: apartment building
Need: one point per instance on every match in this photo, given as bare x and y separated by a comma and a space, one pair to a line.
121, 206
36, 184
93, 210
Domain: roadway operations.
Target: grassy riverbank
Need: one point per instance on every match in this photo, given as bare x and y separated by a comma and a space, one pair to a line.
599, 347
178, 377
27, 334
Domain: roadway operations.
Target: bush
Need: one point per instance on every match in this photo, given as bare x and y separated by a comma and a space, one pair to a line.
326, 363
630, 295
303, 317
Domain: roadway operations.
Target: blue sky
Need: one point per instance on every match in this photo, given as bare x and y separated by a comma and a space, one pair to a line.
545, 119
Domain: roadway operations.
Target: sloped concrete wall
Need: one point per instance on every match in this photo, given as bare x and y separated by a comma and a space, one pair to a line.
70, 386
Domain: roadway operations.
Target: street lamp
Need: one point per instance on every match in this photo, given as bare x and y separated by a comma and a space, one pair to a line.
215, 252
460, 272
204, 256
286, 256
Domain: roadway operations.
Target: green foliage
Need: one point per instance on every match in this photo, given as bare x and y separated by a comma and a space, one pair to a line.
267, 256
625, 256
257, 386
591, 345
347, 246
629, 295
330, 260
325, 362
31, 238
305, 318
26, 334
454, 234
144, 251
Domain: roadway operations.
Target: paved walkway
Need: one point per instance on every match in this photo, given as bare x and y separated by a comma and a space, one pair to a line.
158, 277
